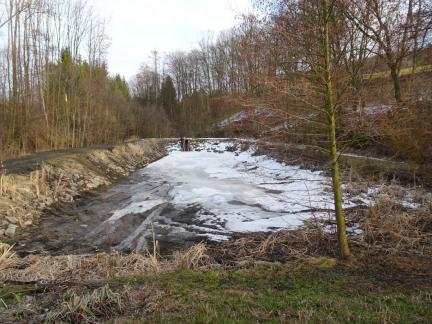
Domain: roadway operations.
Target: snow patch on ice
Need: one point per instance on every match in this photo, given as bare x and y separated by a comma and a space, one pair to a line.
235, 191
217, 190
136, 207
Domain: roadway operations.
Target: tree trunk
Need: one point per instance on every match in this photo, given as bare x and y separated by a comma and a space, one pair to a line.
331, 111
396, 82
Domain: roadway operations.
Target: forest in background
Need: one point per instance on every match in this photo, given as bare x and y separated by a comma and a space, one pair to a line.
56, 91
271, 67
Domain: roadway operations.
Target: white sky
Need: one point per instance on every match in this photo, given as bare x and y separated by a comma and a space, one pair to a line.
136, 27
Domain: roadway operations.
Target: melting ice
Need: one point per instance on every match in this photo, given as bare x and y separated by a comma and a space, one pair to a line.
213, 192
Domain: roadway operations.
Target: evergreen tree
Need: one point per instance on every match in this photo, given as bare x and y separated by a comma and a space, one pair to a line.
119, 83
168, 97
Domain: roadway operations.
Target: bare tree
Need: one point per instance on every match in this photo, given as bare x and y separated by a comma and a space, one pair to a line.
45, 80
395, 26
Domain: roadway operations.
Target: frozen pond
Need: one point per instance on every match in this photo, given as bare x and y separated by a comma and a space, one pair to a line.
216, 190
210, 193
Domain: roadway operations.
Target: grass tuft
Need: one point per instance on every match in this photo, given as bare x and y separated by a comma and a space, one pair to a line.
7, 257
87, 308
194, 258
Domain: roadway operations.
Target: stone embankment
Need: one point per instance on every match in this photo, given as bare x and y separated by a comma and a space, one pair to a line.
23, 197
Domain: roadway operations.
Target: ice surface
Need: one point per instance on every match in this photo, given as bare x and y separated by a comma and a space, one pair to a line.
233, 191
217, 190
246, 193
135, 208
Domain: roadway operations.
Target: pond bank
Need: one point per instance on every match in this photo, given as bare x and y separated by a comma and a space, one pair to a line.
64, 177
218, 189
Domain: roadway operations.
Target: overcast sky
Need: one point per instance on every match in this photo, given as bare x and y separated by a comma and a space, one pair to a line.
136, 27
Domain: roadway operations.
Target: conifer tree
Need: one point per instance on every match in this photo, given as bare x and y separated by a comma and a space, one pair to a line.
168, 97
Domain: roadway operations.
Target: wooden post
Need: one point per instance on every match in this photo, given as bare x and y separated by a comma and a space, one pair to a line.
182, 143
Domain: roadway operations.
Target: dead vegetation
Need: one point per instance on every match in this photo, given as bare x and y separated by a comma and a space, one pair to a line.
89, 288
23, 197
100, 267
84, 305
407, 234
87, 308
7, 257
387, 227
395, 229
309, 241
194, 258
397, 223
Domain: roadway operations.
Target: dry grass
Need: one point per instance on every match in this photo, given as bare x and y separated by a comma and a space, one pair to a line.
194, 258
309, 241
387, 228
126, 158
312, 242
100, 267
80, 268
2, 180
8, 187
394, 229
88, 308
25, 196
404, 71
8, 258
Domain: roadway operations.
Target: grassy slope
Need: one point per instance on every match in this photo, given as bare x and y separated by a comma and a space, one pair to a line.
299, 291
403, 72
276, 294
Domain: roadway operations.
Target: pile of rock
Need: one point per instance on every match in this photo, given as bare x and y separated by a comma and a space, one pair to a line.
9, 226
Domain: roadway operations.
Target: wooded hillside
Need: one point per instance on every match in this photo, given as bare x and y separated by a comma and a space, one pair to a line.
55, 90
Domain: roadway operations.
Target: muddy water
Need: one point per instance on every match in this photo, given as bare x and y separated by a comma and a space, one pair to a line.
208, 194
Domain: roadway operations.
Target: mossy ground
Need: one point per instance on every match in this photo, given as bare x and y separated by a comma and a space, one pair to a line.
11, 294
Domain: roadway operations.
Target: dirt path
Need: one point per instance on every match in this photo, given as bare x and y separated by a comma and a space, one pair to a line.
29, 163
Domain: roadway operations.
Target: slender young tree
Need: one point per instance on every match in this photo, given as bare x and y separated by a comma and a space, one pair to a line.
310, 35
330, 108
